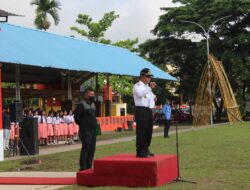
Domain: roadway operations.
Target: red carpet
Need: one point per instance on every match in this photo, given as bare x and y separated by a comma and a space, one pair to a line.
127, 170
37, 180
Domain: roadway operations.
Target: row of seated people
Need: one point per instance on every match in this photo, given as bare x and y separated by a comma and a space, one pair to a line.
58, 127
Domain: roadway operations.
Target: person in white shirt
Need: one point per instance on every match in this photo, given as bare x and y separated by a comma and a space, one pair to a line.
63, 127
50, 128
42, 128
144, 100
70, 129
56, 127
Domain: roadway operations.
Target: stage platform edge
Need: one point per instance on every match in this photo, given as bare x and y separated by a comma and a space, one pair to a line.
127, 170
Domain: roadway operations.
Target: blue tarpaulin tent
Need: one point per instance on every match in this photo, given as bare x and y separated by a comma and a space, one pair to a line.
19, 45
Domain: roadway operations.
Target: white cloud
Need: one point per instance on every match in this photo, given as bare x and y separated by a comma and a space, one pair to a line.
137, 17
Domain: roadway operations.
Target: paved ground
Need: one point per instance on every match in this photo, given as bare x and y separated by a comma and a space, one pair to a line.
34, 174
30, 187
37, 174
53, 150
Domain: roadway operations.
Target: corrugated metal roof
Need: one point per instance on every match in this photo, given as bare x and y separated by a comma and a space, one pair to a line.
25, 46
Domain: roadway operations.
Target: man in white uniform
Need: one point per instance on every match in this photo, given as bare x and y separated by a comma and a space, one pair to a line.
144, 100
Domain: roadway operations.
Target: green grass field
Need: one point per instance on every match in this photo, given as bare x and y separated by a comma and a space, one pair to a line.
215, 158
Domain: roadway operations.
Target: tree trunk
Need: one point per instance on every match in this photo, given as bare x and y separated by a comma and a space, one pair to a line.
244, 90
191, 110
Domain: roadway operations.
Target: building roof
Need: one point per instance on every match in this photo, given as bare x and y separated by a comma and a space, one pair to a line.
37, 49
6, 14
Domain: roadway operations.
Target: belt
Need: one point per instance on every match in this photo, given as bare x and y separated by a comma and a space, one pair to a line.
142, 107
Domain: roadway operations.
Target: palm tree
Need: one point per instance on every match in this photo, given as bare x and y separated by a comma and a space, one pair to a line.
45, 8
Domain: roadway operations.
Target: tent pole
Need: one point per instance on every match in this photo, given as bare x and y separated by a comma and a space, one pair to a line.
107, 103
98, 104
1, 119
69, 88
18, 97
96, 86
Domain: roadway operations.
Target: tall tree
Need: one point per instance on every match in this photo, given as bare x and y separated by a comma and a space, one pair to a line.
45, 8
229, 40
96, 32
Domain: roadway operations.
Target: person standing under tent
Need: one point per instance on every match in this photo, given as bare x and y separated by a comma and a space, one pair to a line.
28, 113
42, 128
71, 127
85, 117
66, 131
68, 118
36, 115
63, 128
167, 114
6, 127
56, 127
50, 128
13, 135
76, 128
144, 100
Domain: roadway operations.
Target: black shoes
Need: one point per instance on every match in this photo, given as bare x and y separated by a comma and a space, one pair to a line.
142, 155
150, 154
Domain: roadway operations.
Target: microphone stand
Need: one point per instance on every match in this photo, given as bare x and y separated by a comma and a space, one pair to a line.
17, 143
178, 178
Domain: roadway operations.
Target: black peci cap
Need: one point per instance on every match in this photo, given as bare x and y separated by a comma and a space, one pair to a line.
146, 72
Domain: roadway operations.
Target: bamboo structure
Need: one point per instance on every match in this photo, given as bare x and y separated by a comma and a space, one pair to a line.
204, 98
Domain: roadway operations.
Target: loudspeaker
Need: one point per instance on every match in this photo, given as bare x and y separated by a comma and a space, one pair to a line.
67, 105
29, 136
16, 112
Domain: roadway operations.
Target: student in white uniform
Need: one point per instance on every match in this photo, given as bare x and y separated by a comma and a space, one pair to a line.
71, 126
50, 128
68, 119
56, 127
42, 128
63, 128
144, 100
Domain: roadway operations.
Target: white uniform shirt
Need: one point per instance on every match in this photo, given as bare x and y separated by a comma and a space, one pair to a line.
49, 120
67, 119
143, 95
40, 119
56, 120
71, 118
61, 119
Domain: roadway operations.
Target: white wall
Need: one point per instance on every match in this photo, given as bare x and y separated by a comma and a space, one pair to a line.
1, 145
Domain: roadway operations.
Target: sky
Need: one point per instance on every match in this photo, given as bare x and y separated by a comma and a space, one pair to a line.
137, 17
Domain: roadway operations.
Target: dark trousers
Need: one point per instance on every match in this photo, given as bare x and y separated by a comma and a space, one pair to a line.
144, 129
88, 139
166, 128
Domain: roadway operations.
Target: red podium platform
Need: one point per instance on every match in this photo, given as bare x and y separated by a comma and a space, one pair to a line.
127, 170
